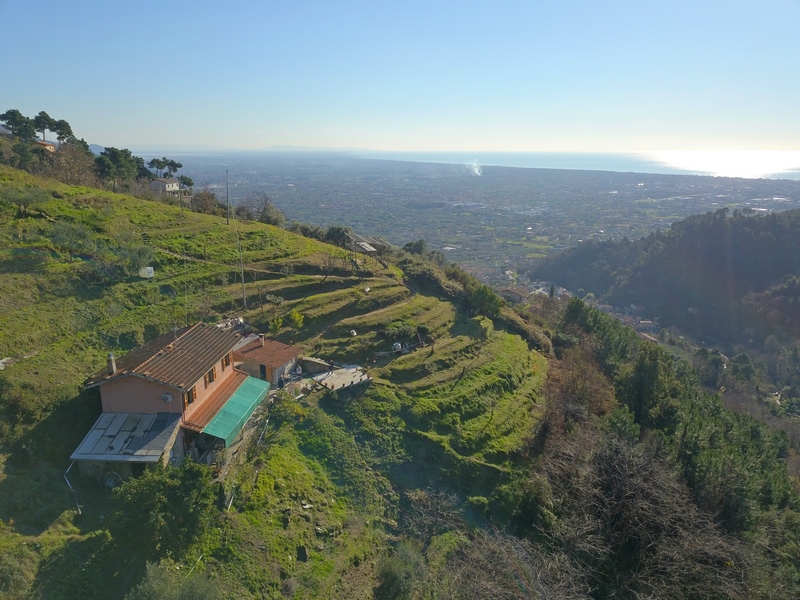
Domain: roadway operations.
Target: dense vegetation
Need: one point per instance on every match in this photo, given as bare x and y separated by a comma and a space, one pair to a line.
544, 452
731, 277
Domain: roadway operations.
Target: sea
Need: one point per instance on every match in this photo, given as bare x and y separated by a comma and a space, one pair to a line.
726, 163
756, 164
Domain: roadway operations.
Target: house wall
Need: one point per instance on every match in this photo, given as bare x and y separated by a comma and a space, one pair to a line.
175, 452
204, 392
136, 395
273, 373
251, 368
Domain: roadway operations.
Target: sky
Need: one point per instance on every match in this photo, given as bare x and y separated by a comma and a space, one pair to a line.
510, 76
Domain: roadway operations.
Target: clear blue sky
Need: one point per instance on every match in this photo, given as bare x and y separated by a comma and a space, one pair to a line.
580, 75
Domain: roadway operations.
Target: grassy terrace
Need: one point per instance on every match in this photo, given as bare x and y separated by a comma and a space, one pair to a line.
315, 505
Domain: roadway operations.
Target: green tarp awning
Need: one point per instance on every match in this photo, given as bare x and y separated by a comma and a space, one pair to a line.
231, 418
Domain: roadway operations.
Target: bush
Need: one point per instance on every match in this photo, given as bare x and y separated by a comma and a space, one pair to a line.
165, 510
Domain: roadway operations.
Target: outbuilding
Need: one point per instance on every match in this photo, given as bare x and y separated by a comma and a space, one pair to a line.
269, 360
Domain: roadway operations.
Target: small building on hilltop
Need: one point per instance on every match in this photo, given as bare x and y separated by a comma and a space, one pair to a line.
269, 360
47, 146
165, 186
178, 395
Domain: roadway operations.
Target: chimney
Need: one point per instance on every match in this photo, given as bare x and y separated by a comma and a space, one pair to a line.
261, 338
112, 364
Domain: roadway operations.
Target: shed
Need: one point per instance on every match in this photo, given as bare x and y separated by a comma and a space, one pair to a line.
268, 360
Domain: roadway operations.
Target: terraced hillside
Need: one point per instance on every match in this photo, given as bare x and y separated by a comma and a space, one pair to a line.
312, 509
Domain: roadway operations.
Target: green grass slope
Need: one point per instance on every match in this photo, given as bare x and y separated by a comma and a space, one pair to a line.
312, 510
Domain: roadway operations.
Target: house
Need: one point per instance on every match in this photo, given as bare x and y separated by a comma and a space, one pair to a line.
177, 395
46, 145
269, 360
515, 295
165, 186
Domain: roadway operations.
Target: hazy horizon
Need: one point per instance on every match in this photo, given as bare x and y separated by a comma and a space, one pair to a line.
766, 164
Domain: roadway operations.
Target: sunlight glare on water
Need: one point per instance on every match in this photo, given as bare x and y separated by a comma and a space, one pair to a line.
733, 163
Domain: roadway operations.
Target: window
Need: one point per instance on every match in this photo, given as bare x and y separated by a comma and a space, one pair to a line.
189, 397
209, 377
226, 361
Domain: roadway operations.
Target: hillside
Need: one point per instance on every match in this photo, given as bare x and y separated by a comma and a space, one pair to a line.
70, 294
539, 453
730, 277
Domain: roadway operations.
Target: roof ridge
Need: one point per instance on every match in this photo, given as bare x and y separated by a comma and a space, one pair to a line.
153, 356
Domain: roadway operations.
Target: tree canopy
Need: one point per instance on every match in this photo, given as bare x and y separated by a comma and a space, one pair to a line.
19, 125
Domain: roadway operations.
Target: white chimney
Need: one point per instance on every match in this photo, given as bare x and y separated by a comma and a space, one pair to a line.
261, 338
112, 364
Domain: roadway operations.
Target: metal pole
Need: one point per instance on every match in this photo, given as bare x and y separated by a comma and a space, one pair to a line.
71, 488
228, 196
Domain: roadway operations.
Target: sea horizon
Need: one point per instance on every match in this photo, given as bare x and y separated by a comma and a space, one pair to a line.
744, 164
726, 163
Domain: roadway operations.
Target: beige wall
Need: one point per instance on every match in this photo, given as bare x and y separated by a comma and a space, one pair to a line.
136, 395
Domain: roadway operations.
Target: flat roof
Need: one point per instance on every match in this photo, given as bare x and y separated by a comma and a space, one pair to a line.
128, 437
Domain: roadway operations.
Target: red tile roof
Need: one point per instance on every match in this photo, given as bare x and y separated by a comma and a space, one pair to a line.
176, 359
272, 354
212, 405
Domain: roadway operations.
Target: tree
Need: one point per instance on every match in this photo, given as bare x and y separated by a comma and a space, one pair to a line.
142, 172
73, 238
483, 301
285, 409
165, 510
158, 164
275, 325
205, 202
42, 122
186, 182
25, 199
135, 257
117, 165
267, 212
244, 212
295, 318
19, 125
22, 156
307, 230
337, 235
172, 167
419, 247
63, 131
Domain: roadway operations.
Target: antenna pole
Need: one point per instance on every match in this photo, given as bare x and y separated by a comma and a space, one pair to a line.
228, 196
